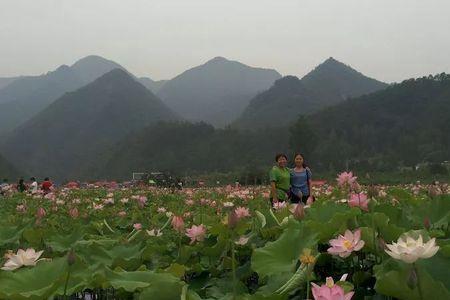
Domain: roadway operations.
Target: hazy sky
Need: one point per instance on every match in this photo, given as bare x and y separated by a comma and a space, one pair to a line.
387, 39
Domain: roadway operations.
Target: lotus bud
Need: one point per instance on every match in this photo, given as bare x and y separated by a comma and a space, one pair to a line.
427, 223
71, 257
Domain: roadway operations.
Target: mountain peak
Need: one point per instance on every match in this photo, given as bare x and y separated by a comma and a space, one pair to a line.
115, 78
333, 64
91, 59
92, 67
217, 59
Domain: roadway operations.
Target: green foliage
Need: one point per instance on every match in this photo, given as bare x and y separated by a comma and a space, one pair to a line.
399, 127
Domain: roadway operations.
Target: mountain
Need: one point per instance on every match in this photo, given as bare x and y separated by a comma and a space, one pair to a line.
334, 82
92, 67
26, 96
75, 131
152, 85
4, 81
329, 83
7, 171
279, 105
403, 125
217, 91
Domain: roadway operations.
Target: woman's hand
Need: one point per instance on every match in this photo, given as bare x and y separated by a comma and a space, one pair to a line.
310, 200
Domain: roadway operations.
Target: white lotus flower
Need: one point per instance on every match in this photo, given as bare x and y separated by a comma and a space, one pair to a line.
23, 258
154, 232
409, 250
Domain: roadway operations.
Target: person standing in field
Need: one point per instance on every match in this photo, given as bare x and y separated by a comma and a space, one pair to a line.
33, 185
47, 185
21, 186
279, 179
300, 181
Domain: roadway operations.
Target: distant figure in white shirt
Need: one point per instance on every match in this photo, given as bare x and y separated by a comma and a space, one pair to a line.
34, 185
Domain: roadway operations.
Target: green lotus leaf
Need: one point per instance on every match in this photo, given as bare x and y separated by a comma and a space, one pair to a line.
283, 254
39, 282
392, 277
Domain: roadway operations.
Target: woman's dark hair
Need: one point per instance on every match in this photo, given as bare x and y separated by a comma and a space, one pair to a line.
277, 157
300, 154
33, 179
46, 179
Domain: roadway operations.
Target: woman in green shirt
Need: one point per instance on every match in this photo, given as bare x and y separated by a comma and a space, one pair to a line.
279, 179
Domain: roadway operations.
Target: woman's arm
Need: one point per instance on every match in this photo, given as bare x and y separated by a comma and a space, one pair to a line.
309, 183
274, 191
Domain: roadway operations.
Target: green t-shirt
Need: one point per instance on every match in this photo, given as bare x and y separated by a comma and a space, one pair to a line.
281, 177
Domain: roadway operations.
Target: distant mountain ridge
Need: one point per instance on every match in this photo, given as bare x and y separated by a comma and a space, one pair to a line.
4, 81
7, 170
27, 95
152, 85
329, 83
78, 127
217, 91
402, 125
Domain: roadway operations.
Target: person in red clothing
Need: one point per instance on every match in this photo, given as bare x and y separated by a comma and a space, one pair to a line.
47, 185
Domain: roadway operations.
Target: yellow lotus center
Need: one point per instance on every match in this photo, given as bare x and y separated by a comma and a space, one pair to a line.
330, 282
347, 244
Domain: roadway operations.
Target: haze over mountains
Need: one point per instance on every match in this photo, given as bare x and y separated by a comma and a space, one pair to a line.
217, 91
329, 83
73, 131
27, 95
109, 126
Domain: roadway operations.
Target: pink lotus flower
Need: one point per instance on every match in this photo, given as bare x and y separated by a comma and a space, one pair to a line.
122, 214
345, 244
74, 213
137, 226
108, 201
178, 224
142, 201
242, 212
330, 291
242, 241
40, 213
97, 206
21, 208
50, 196
189, 202
265, 194
279, 205
359, 200
196, 233
346, 179
298, 211
161, 210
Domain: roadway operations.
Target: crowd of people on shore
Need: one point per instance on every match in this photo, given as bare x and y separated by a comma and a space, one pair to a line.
32, 186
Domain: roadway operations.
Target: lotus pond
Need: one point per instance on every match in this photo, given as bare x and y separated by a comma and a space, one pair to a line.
123, 242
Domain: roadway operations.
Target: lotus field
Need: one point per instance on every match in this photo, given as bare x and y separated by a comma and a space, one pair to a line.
122, 242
